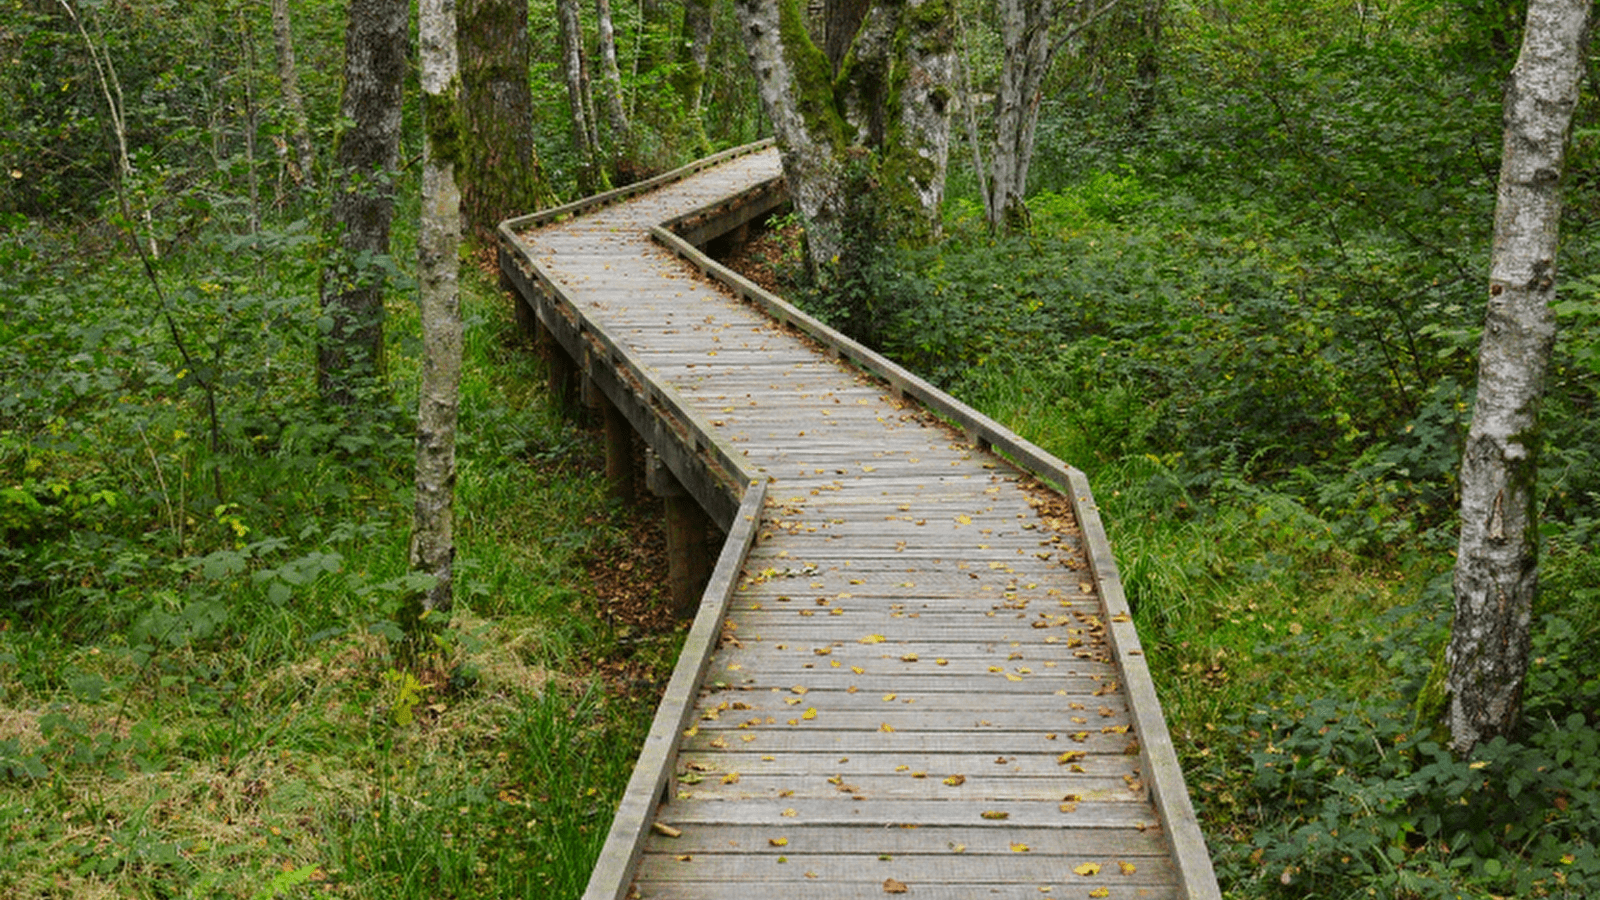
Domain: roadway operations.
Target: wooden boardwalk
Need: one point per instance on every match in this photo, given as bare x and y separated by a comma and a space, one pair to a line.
913, 670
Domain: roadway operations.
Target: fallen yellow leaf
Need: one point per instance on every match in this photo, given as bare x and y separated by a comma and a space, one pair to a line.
1088, 869
1020, 848
778, 842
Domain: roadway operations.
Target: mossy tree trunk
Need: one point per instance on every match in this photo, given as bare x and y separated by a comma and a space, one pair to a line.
620, 137
1496, 569
350, 357
694, 55
500, 173
438, 274
877, 132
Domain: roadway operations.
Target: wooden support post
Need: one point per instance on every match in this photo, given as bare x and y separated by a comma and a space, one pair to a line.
560, 370
689, 531
619, 442
527, 322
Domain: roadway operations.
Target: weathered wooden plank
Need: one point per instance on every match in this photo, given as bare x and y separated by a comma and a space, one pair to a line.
818, 736
934, 764
906, 714
810, 889
695, 787
872, 813
756, 841
798, 660
736, 703
1023, 866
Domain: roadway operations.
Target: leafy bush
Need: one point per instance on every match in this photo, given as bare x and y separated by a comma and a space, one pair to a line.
1351, 793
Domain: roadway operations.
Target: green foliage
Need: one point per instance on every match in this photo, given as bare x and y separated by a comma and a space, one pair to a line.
184, 676
1351, 793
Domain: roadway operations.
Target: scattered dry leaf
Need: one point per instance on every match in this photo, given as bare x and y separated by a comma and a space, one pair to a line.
1087, 869
890, 886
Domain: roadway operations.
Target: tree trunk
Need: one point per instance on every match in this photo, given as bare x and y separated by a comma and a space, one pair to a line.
303, 167
796, 87
350, 357
1028, 48
611, 79
1031, 34
1497, 564
1147, 63
432, 544
877, 134
693, 58
500, 173
575, 71
841, 20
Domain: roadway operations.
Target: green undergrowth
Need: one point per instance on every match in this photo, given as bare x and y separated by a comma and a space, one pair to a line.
199, 689
1271, 418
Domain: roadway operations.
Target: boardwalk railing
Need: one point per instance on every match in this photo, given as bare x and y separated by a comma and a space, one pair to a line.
733, 492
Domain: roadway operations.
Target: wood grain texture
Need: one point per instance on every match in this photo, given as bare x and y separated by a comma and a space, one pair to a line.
922, 647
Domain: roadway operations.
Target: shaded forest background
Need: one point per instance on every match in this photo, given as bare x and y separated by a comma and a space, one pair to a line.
1246, 302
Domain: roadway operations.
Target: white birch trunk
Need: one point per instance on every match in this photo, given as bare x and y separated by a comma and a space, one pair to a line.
1496, 564
584, 136
289, 83
432, 540
610, 75
1029, 49
1031, 37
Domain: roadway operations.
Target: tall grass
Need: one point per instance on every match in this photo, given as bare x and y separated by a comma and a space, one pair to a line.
197, 696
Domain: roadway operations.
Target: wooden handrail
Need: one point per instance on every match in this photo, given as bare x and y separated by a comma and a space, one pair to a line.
1163, 774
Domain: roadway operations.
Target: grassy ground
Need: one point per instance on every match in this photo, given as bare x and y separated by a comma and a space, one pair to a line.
230, 722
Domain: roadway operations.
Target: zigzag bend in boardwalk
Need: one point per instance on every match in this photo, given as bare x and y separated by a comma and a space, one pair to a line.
915, 668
